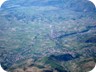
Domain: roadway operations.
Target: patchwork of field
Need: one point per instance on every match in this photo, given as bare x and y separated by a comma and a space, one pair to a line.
45, 36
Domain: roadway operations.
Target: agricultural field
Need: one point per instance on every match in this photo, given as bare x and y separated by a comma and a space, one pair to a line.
48, 36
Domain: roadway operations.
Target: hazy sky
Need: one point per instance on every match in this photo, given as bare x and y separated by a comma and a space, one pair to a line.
2, 1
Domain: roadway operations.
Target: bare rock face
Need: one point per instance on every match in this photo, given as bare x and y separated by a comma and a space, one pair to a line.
31, 69
18, 70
